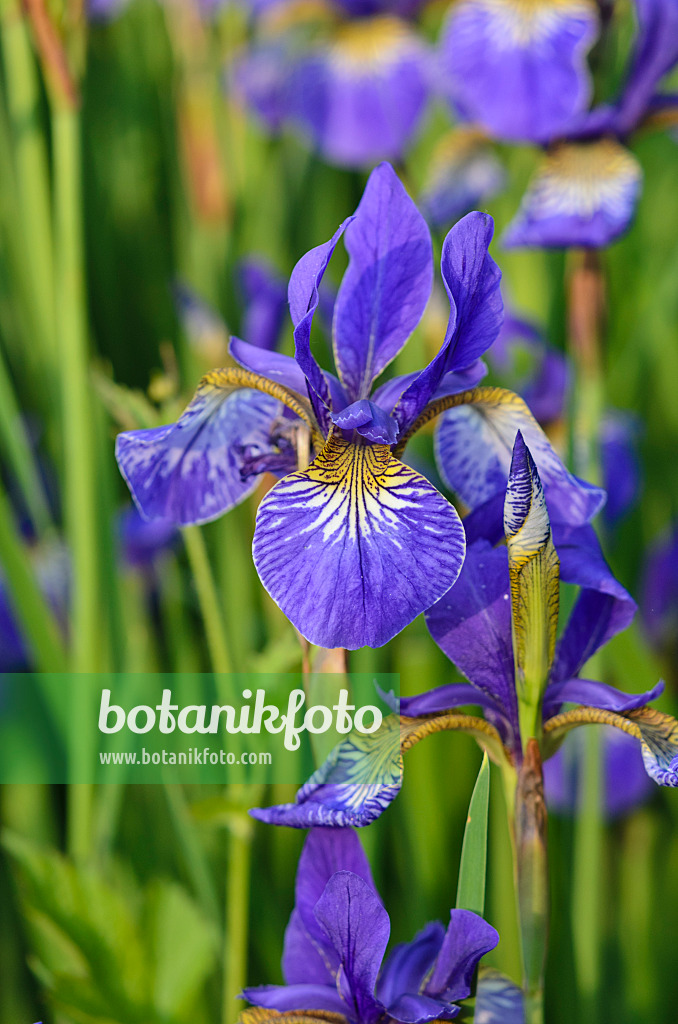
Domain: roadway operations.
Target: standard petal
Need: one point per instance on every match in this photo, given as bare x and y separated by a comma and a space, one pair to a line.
498, 1000
537, 52
362, 98
583, 194
533, 571
408, 964
356, 546
472, 280
189, 472
304, 297
355, 921
472, 625
474, 442
306, 956
603, 609
387, 284
467, 939
357, 782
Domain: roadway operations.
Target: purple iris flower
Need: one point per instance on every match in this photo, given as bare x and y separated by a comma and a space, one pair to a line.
625, 783
585, 190
498, 625
357, 89
659, 600
517, 69
335, 942
355, 545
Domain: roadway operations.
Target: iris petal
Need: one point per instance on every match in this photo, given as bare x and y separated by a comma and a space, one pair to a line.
362, 98
304, 298
472, 281
357, 782
356, 546
189, 472
387, 284
583, 194
538, 53
467, 939
472, 625
353, 917
474, 442
498, 1000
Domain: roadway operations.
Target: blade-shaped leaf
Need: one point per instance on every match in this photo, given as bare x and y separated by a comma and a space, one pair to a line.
471, 884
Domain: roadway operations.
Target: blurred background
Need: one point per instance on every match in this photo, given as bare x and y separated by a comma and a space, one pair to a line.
147, 212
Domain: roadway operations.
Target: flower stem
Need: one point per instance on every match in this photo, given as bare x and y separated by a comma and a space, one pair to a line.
532, 879
208, 598
237, 916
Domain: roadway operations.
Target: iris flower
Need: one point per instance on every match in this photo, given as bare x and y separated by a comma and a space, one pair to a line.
498, 625
353, 77
333, 960
536, 50
355, 545
585, 189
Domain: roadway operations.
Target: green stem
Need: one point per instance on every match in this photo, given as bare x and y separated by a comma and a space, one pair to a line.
78, 434
237, 918
588, 879
208, 599
532, 879
79, 453
30, 155
34, 614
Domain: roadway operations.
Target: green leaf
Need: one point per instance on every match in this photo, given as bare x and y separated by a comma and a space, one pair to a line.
471, 885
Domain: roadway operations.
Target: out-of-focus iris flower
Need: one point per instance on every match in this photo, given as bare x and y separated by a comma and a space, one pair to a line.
519, 69
498, 625
352, 75
585, 190
333, 960
143, 541
625, 783
463, 174
619, 464
545, 385
52, 569
355, 545
659, 599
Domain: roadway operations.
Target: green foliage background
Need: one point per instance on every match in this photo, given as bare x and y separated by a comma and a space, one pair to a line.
134, 906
